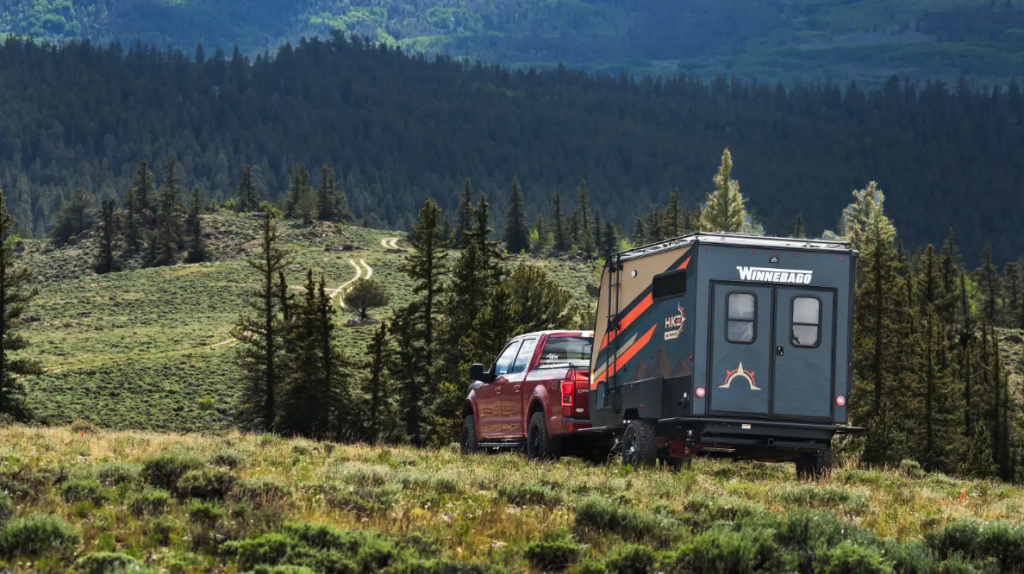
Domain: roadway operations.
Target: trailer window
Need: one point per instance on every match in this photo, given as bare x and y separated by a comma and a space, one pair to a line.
742, 318
671, 284
806, 322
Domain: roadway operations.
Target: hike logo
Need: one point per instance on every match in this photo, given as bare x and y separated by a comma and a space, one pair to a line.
674, 324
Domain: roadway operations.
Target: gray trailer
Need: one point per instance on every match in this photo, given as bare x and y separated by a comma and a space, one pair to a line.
727, 345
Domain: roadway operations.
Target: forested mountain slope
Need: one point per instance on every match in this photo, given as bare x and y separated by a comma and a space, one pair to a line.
398, 129
788, 40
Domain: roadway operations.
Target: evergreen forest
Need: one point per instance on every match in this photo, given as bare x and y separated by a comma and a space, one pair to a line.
398, 128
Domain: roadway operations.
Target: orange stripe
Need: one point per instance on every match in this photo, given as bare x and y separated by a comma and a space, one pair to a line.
685, 263
626, 356
627, 320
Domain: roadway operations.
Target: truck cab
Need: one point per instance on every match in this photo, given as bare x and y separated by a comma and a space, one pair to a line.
533, 396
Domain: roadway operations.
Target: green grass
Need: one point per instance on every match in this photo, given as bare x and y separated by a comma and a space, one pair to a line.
102, 497
148, 348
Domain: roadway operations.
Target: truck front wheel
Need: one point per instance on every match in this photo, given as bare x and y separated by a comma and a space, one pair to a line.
640, 444
467, 437
539, 444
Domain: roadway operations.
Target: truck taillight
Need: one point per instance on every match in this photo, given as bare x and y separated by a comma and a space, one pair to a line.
568, 392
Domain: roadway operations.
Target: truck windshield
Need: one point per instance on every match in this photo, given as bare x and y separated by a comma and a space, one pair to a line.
562, 350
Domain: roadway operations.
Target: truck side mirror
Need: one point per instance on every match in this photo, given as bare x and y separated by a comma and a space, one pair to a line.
477, 373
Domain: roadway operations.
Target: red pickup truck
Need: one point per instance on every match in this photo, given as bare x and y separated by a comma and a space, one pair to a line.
534, 395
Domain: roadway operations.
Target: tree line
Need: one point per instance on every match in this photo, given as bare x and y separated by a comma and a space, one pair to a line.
397, 129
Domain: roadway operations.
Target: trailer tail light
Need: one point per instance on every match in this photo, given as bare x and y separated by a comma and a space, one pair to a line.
700, 392
841, 401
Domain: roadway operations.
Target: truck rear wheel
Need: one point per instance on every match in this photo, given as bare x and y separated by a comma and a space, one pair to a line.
640, 444
467, 437
539, 444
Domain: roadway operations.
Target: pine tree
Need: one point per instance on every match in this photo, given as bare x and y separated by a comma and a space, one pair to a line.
426, 266
488, 251
988, 282
74, 218
1011, 294
327, 196
144, 186
261, 332
16, 293
560, 232
798, 227
609, 240
654, 224
639, 235
106, 260
672, 223
163, 246
246, 192
297, 191
598, 231
197, 249
586, 229
381, 414
132, 204
724, 210
465, 215
517, 233
543, 235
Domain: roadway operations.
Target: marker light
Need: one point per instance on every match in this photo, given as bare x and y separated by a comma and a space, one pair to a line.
700, 392
841, 401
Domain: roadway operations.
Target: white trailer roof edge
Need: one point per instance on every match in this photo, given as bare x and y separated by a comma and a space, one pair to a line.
734, 239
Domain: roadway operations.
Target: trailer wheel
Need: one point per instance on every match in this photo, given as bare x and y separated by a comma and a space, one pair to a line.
640, 444
815, 465
467, 437
678, 464
539, 444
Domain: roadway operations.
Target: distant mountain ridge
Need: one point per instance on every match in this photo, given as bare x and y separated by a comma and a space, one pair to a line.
788, 40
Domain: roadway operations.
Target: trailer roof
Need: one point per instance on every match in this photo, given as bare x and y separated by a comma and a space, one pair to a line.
736, 239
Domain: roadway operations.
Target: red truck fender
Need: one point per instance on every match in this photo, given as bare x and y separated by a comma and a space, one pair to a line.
539, 402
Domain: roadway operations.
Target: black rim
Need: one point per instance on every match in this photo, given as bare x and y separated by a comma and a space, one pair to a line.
629, 448
534, 442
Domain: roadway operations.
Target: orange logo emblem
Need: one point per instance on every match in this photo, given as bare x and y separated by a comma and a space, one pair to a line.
739, 372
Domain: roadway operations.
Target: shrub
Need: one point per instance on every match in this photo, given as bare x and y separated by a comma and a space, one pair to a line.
115, 473
592, 567
160, 529
204, 512
361, 500
1004, 542
910, 558
704, 511
824, 497
723, 549
228, 458
956, 564
261, 490
6, 506
164, 470
282, 569
552, 556
848, 558
149, 501
529, 494
205, 483
911, 468
632, 559
963, 536
82, 426
601, 515
445, 484
39, 535
105, 562
77, 490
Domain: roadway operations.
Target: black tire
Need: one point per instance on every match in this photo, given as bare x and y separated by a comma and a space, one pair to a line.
467, 437
640, 444
539, 444
816, 465
678, 464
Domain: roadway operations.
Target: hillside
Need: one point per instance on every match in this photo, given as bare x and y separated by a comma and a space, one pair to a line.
234, 503
789, 41
398, 129
151, 348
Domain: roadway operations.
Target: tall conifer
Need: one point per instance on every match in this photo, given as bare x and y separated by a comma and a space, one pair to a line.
517, 232
16, 293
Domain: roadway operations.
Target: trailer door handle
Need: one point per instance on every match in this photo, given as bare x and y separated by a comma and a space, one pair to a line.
780, 351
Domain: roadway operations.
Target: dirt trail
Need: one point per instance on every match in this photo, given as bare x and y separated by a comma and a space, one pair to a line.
390, 242
333, 293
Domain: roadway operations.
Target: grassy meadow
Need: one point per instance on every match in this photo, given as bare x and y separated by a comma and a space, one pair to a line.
96, 501
151, 348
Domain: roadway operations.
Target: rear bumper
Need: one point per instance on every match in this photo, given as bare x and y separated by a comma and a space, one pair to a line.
739, 424
573, 426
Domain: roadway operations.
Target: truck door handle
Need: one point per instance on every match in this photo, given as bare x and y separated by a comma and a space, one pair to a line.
780, 351
516, 388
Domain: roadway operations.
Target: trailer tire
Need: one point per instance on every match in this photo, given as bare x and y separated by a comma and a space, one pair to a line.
815, 465
640, 444
539, 444
467, 436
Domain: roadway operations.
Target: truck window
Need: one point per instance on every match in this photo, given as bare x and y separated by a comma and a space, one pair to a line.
525, 354
504, 362
806, 322
742, 318
562, 350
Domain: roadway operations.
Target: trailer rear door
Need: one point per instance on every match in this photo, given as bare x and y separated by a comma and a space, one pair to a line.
772, 350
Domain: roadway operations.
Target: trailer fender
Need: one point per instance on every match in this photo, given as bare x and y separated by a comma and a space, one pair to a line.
643, 397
